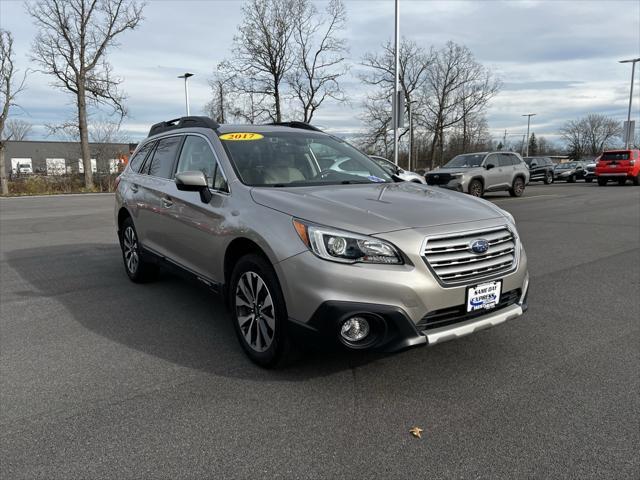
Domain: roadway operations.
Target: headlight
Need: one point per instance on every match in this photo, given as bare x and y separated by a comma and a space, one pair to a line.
346, 247
509, 217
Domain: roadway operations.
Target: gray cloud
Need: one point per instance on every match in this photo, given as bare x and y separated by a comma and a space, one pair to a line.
557, 58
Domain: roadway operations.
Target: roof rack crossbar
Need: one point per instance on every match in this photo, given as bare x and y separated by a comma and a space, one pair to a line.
183, 122
302, 125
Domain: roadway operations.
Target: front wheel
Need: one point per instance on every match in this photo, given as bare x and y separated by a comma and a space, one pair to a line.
548, 178
475, 188
517, 188
259, 312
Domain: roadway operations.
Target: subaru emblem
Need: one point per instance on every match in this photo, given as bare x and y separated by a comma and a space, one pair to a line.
479, 245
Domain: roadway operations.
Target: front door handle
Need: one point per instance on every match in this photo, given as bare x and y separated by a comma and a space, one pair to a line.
167, 202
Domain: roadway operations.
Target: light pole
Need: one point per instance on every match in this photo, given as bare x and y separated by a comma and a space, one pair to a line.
632, 61
186, 89
528, 115
396, 73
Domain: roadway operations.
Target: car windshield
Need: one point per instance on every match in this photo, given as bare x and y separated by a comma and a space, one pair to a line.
566, 166
465, 161
385, 164
298, 159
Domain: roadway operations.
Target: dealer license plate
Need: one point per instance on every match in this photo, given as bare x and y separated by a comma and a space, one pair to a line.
484, 296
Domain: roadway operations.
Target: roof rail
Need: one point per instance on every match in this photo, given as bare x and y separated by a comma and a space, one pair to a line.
302, 125
183, 122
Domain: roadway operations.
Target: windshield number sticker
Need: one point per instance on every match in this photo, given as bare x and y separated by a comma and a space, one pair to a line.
241, 136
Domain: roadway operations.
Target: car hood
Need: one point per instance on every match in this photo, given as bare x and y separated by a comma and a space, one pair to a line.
376, 208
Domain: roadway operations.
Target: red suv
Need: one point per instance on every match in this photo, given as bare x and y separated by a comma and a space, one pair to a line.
620, 166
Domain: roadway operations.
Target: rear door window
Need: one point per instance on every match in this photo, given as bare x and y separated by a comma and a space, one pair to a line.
505, 160
164, 156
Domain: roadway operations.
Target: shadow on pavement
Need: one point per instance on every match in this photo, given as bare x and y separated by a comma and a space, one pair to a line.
174, 319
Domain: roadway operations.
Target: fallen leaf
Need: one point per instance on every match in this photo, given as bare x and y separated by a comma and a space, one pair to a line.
416, 432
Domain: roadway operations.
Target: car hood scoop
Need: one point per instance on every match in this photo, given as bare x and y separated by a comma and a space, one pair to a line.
375, 208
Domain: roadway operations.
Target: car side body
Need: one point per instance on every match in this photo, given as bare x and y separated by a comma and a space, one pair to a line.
570, 172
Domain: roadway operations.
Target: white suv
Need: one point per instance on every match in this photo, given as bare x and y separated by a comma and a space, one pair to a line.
477, 173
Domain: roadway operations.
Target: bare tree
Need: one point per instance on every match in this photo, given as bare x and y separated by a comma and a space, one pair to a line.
220, 107
72, 43
458, 86
414, 64
590, 135
319, 57
17, 129
263, 53
10, 87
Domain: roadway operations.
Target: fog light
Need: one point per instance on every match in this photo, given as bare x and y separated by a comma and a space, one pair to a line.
355, 329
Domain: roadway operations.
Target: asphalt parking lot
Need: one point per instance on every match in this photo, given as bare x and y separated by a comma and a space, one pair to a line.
101, 378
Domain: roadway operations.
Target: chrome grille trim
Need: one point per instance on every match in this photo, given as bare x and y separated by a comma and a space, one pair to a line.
453, 263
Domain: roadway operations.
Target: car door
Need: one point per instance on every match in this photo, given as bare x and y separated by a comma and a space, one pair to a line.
537, 168
155, 186
492, 175
195, 231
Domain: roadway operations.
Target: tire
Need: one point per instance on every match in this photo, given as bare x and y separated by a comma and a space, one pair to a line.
517, 187
602, 181
548, 178
622, 181
261, 329
475, 188
636, 180
138, 270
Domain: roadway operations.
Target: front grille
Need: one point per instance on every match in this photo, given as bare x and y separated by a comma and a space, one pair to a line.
438, 178
452, 260
449, 316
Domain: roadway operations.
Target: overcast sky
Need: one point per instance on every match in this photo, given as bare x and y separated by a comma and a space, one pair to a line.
557, 59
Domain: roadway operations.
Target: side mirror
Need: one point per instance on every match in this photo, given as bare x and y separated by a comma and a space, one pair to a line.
194, 181
489, 166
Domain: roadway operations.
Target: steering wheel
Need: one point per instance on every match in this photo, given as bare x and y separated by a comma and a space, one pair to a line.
324, 173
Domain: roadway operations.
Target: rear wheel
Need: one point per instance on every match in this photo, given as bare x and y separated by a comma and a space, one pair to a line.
259, 312
622, 181
636, 180
517, 188
138, 270
602, 181
548, 178
475, 188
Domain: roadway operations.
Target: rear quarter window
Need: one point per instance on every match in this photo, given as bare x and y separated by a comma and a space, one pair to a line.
138, 159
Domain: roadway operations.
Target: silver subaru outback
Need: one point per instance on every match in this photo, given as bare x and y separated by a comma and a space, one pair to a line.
306, 236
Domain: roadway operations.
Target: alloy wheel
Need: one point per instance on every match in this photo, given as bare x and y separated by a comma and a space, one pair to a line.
518, 187
130, 249
255, 311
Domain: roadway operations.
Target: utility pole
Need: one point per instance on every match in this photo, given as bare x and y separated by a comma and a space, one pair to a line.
186, 90
396, 82
633, 70
528, 115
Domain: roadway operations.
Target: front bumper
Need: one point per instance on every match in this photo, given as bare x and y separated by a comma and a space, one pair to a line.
320, 295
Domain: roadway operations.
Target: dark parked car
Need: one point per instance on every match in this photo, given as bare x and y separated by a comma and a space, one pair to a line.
540, 168
570, 171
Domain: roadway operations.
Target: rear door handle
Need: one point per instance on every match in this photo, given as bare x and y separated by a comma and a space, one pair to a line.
167, 202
